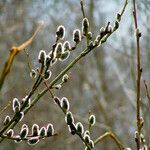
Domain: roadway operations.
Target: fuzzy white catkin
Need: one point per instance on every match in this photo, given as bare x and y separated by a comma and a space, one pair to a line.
33, 140
42, 57
16, 104
7, 120
79, 128
69, 118
35, 130
50, 130
24, 132
92, 120
64, 103
60, 33
77, 35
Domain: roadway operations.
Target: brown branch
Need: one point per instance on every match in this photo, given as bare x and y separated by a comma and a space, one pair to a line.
13, 52
139, 71
82, 8
147, 93
28, 137
111, 135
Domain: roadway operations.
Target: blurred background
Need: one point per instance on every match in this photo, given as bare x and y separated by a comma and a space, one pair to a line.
104, 82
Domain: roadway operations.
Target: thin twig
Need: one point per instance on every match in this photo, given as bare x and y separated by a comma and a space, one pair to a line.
52, 95
147, 93
139, 71
82, 8
28, 137
13, 52
111, 135
28, 61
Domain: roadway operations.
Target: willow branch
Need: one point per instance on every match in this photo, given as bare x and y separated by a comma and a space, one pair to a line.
139, 71
147, 93
111, 135
13, 52
87, 50
82, 8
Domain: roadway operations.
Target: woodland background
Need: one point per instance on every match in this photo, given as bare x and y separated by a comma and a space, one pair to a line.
103, 83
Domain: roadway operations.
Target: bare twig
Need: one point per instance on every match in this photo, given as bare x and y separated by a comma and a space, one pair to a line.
82, 8
111, 135
147, 93
139, 71
27, 138
13, 52
28, 61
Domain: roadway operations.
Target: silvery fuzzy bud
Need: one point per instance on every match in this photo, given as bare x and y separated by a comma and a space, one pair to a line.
92, 120
69, 118
116, 25
33, 74
72, 128
64, 56
66, 46
33, 140
98, 38
7, 120
48, 60
65, 78
128, 148
18, 139
24, 132
91, 44
86, 138
43, 132
141, 122
10, 133
20, 116
145, 147
142, 138
96, 42
136, 136
60, 33
52, 54
58, 86
87, 132
47, 74
79, 128
89, 35
16, 105
108, 28
27, 101
102, 31
59, 50
24, 126
35, 130
86, 148
50, 130
57, 100
16, 109
53, 61
91, 144
77, 35
138, 33
42, 57
118, 17
64, 103
85, 25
